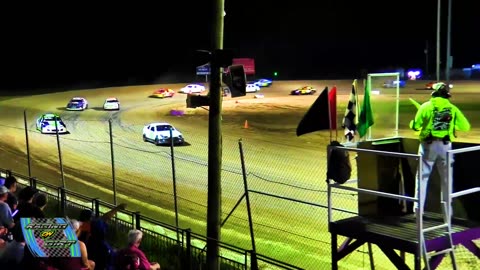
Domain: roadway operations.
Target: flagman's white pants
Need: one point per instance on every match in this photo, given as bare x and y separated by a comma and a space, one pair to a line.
435, 152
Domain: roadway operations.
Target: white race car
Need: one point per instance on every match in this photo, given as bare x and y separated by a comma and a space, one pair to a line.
252, 87
159, 133
192, 88
111, 103
46, 124
77, 104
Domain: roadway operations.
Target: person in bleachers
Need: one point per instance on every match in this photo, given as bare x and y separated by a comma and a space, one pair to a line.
99, 250
86, 217
12, 256
132, 250
40, 200
6, 218
74, 263
11, 185
25, 206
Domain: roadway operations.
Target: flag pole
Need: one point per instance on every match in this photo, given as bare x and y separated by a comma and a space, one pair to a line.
336, 129
329, 115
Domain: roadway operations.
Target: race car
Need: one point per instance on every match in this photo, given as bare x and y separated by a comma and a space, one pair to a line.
159, 133
77, 104
394, 83
305, 90
192, 88
252, 87
264, 82
46, 124
163, 93
429, 86
111, 103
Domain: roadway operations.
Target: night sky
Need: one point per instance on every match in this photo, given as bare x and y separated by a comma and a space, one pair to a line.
75, 45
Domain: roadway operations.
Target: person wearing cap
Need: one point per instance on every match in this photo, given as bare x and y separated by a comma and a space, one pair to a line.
6, 218
437, 120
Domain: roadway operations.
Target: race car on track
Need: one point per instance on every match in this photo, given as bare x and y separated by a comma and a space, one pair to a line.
111, 103
192, 88
252, 87
163, 93
305, 90
46, 124
393, 84
159, 133
264, 82
429, 85
77, 104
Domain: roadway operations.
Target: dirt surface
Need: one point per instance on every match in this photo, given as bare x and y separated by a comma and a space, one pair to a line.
278, 162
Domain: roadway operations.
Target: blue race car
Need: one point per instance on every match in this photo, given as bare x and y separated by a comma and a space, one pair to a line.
393, 84
264, 82
77, 104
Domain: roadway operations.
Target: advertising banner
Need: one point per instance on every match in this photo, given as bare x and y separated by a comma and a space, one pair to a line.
248, 64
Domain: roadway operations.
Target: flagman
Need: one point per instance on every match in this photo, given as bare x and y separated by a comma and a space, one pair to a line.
436, 120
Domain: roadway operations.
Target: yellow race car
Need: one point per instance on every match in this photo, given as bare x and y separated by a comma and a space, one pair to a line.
305, 90
163, 93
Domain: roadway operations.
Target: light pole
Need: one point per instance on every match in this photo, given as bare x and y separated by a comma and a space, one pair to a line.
214, 196
438, 38
449, 36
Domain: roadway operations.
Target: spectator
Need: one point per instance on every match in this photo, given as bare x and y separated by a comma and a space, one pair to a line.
86, 218
6, 218
40, 200
25, 206
134, 240
13, 255
11, 185
83, 249
99, 250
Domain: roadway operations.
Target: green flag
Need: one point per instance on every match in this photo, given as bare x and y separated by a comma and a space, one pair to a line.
366, 115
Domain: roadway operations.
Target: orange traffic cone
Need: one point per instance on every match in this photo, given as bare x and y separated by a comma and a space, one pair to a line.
246, 124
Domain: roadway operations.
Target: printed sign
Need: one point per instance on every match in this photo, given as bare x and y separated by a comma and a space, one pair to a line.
50, 237
203, 70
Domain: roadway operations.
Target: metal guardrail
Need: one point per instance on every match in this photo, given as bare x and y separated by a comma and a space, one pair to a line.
193, 256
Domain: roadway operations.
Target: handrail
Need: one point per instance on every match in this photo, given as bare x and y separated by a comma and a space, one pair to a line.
374, 192
465, 192
465, 149
380, 152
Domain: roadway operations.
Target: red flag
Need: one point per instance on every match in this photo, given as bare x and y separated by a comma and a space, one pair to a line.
332, 104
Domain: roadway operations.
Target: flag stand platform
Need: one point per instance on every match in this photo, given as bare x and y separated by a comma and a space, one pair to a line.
398, 233
386, 172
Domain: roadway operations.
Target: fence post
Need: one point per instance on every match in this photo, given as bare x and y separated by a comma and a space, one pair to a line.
96, 207
253, 260
33, 182
137, 220
63, 201
188, 251
27, 143
59, 153
172, 157
249, 211
112, 158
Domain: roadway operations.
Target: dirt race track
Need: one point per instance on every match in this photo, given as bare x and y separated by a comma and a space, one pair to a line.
278, 162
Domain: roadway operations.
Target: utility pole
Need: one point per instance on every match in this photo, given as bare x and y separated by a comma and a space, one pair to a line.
427, 72
439, 4
449, 36
214, 208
